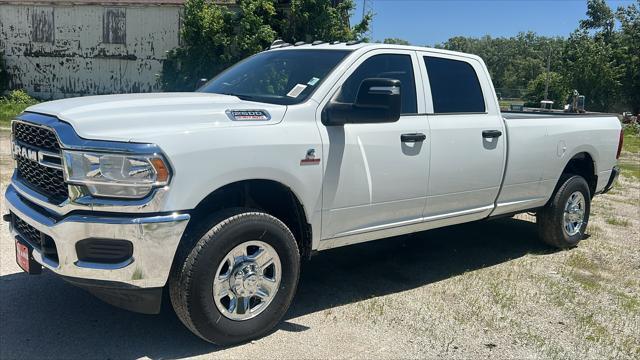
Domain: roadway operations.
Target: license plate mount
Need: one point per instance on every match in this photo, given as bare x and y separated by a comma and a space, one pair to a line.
24, 258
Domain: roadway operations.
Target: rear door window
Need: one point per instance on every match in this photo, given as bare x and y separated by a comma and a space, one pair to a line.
454, 86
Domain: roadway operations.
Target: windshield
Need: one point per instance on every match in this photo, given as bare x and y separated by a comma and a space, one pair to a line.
278, 77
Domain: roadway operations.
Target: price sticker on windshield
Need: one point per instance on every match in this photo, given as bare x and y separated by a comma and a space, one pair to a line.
296, 91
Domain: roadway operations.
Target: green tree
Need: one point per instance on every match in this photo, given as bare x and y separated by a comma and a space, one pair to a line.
601, 59
558, 91
310, 20
514, 61
629, 50
215, 37
599, 17
592, 70
396, 41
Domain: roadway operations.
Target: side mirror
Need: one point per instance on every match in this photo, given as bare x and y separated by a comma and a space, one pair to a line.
378, 101
201, 83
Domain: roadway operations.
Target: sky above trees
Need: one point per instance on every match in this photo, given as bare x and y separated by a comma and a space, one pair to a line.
428, 22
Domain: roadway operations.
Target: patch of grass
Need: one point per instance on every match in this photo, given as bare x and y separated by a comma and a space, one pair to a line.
596, 332
14, 104
502, 296
587, 280
631, 143
629, 169
594, 230
580, 261
528, 337
376, 307
559, 292
628, 303
614, 191
617, 221
630, 346
584, 271
373, 309
8, 111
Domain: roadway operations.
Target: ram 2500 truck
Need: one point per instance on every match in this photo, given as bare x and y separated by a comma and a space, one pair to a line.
217, 195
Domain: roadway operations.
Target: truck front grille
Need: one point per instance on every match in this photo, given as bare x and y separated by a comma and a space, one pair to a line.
29, 233
42, 242
36, 135
43, 179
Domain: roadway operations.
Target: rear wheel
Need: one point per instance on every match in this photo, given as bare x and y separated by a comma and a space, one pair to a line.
239, 279
562, 223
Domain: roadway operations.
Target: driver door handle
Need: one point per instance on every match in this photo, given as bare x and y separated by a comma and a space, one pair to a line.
413, 137
491, 133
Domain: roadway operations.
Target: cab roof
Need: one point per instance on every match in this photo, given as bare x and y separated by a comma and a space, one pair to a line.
364, 46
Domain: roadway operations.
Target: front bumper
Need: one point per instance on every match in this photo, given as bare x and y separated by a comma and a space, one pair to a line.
155, 239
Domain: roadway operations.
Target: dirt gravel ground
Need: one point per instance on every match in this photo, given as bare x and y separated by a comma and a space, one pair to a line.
481, 290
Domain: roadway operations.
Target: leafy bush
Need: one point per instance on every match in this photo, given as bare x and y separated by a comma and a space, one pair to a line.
632, 129
20, 97
215, 37
13, 104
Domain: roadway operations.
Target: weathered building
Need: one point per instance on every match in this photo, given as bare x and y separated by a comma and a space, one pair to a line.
63, 48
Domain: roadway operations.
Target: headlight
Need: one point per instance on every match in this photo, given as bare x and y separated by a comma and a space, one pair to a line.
115, 175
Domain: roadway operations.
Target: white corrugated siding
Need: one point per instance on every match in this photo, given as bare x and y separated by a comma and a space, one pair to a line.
78, 62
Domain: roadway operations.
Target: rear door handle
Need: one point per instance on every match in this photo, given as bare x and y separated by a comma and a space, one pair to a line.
491, 133
413, 137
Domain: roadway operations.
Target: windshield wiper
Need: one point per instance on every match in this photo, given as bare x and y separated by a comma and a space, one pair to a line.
242, 96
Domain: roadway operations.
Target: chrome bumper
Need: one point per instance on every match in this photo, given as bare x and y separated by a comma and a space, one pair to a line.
155, 240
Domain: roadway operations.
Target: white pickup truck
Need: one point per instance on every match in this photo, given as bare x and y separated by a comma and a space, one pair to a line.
219, 194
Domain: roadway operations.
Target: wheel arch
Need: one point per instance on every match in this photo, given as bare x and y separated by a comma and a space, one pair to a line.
582, 163
271, 196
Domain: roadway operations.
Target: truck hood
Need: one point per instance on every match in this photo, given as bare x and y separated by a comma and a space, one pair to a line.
130, 116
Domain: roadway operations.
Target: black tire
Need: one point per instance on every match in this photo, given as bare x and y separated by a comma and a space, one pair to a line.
551, 218
191, 279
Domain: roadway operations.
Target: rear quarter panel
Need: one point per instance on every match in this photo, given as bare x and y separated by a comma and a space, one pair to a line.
539, 149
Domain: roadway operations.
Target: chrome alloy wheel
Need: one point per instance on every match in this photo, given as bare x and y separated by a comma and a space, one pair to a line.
574, 213
247, 280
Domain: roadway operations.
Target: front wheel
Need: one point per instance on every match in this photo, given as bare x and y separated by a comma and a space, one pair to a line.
239, 279
563, 221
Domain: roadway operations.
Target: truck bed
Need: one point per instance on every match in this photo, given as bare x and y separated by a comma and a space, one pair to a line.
541, 144
533, 115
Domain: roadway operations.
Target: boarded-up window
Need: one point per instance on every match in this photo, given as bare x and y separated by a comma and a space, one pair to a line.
42, 28
180, 20
114, 26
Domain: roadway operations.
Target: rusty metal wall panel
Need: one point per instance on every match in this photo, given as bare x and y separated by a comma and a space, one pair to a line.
114, 26
42, 24
77, 61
